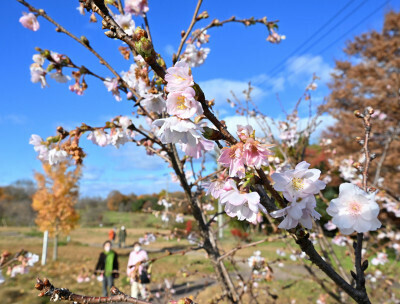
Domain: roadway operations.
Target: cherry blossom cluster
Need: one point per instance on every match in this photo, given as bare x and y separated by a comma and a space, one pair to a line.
288, 130
298, 186
46, 153
273, 36
56, 63
117, 136
181, 106
53, 150
232, 189
137, 78
194, 53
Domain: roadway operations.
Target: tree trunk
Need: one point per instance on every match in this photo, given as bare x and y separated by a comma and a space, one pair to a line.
55, 248
209, 241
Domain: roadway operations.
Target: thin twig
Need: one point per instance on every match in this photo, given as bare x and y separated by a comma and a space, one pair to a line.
188, 31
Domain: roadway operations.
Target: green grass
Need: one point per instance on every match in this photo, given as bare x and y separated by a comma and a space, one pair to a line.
85, 245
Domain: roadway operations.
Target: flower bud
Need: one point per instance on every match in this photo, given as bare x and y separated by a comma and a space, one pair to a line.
212, 134
110, 34
203, 15
144, 47
50, 67
84, 40
358, 114
139, 33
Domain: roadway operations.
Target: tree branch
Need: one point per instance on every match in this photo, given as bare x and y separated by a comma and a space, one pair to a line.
56, 294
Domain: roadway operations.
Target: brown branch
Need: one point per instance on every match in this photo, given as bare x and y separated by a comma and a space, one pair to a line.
56, 294
188, 31
146, 22
61, 29
268, 239
360, 267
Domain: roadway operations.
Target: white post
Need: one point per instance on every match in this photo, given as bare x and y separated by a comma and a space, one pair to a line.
44, 250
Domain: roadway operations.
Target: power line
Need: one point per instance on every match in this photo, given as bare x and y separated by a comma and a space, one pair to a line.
311, 37
349, 31
354, 27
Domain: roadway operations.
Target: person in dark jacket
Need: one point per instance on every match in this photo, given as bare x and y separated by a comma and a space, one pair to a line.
122, 237
107, 267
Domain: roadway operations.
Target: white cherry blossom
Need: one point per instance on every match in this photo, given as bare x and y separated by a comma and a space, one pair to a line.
354, 210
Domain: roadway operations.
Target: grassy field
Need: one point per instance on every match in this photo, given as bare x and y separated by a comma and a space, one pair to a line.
290, 281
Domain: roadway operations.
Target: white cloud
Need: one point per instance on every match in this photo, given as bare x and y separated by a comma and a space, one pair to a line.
130, 157
138, 184
220, 89
303, 67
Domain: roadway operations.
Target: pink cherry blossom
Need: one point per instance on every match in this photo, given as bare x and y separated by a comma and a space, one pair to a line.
330, 226
179, 77
249, 152
126, 23
380, 259
153, 102
112, 86
136, 7
56, 156
245, 132
124, 122
232, 157
354, 210
175, 130
39, 146
194, 56
244, 206
298, 183
183, 104
99, 137
29, 21
256, 154
77, 88
197, 149
298, 212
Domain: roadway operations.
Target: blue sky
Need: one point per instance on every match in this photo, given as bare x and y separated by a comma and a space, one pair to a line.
238, 55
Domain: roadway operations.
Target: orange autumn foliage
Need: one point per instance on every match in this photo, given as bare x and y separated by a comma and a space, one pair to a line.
56, 197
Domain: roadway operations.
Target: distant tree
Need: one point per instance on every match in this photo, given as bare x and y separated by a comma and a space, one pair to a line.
55, 199
116, 201
370, 77
15, 203
91, 210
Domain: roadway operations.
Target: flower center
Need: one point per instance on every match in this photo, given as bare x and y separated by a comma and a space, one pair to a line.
181, 103
354, 208
179, 77
297, 183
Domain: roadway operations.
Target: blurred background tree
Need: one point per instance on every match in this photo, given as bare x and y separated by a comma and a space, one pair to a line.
55, 199
370, 77
15, 204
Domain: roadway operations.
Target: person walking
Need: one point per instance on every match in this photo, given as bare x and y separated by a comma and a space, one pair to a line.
137, 272
111, 235
122, 237
107, 267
